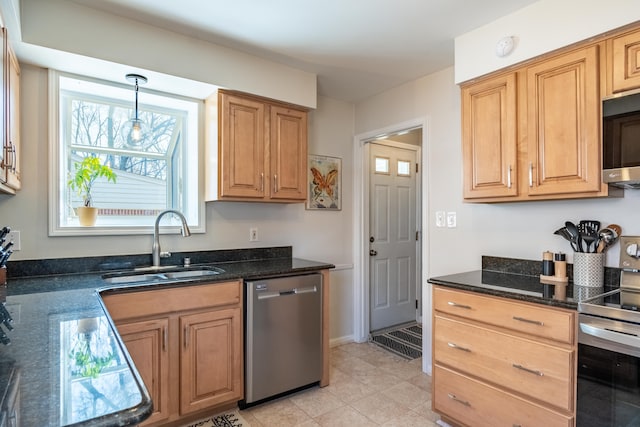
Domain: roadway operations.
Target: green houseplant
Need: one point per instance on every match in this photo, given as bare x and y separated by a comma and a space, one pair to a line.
86, 172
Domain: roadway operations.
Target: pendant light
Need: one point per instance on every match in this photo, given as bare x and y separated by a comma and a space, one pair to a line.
135, 130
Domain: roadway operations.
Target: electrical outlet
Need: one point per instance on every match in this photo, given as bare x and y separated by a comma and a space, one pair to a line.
451, 219
440, 219
14, 236
253, 234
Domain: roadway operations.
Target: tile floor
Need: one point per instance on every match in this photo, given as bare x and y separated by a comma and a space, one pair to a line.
369, 387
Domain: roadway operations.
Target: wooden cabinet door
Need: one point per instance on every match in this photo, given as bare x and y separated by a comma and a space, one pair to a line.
626, 62
288, 150
489, 144
242, 143
13, 121
146, 342
5, 155
210, 359
563, 124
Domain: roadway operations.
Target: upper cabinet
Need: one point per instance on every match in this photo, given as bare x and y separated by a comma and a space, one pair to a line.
259, 152
12, 105
10, 180
625, 61
563, 125
534, 133
489, 133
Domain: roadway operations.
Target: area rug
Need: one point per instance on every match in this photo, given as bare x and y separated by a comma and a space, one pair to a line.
405, 341
229, 419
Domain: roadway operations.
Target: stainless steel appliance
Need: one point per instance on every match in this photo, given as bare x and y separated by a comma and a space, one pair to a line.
609, 349
620, 136
283, 339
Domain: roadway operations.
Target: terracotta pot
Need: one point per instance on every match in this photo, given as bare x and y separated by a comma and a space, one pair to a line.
87, 215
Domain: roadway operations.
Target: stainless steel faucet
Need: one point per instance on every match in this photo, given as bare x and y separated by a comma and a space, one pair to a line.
155, 249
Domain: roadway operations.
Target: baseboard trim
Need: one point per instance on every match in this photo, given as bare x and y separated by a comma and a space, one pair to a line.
334, 342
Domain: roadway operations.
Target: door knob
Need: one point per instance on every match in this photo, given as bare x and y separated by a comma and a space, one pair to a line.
373, 252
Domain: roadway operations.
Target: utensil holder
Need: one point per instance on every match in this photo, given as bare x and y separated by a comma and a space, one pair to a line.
588, 269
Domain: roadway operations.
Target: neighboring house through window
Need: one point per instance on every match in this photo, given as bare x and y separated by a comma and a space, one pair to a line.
158, 173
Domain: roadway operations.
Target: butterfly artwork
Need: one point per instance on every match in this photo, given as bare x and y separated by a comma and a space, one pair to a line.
324, 183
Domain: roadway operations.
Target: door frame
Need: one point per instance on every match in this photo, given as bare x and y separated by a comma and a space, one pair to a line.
361, 295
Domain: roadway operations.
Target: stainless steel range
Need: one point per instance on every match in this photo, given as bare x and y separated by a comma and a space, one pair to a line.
609, 348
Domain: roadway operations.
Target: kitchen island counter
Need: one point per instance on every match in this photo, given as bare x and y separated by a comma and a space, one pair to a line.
58, 318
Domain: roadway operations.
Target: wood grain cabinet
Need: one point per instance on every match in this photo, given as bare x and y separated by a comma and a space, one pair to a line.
625, 61
13, 120
10, 171
501, 362
259, 151
489, 137
186, 342
534, 133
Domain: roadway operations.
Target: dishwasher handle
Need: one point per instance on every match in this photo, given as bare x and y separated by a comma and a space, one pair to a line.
294, 291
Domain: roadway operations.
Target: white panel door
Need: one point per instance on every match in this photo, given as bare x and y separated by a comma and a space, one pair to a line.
393, 236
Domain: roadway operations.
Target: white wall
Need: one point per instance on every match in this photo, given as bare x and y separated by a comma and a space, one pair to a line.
50, 27
538, 28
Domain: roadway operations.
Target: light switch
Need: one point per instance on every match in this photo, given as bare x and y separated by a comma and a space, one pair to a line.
440, 219
451, 219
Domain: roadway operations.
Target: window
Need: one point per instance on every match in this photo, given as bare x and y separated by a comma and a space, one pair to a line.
382, 165
160, 173
404, 168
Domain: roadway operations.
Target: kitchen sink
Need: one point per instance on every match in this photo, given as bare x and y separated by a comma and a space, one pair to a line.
160, 276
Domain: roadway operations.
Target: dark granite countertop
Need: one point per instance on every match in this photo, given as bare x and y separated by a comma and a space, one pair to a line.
520, 280
58, 316
508, 285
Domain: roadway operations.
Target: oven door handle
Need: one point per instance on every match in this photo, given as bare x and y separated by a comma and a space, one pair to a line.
624, 338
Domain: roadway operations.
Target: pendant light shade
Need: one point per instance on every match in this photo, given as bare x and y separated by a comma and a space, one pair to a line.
135, 131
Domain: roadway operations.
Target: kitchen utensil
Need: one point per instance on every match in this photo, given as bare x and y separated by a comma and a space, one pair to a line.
606, 237
616, 228
563, 232
575, 235
588, 230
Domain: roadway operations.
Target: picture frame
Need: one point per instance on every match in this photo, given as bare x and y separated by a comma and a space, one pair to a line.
324, 183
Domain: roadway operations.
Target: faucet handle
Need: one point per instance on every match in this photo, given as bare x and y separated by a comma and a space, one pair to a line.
165, 254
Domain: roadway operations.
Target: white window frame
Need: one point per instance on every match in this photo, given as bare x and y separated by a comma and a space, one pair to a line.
57, 181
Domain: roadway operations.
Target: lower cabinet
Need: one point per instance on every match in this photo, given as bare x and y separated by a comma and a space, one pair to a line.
502, 362
186, 343
146, 342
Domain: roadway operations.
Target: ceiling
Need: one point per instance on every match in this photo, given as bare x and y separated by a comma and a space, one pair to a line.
357, 48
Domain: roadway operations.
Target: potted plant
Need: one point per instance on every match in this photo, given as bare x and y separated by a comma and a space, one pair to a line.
86, 173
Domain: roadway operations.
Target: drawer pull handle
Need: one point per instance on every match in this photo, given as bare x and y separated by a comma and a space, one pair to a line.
164, 338
455, 398
457, 347
531, 371
522, 319
455, 304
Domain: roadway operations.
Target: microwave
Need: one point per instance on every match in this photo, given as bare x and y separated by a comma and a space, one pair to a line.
621, 141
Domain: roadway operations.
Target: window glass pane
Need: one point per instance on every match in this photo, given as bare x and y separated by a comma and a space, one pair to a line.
382, 165
404, 168
160, 172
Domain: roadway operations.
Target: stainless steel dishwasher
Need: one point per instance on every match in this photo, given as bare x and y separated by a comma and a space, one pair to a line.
283, 339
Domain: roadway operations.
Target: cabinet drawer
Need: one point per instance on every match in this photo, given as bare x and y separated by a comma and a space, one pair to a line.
555, 324
126, 305
476, 404
538, 370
